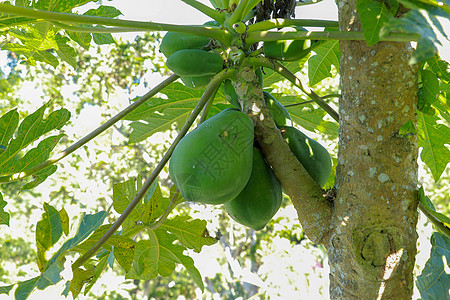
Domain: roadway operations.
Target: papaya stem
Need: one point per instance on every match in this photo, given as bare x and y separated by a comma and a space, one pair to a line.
267, 36
213, 14
310, 101
244, 7
212, 32
93, 29
280, 23
439, 225
208, 106
212, 86
283, 71
91, 135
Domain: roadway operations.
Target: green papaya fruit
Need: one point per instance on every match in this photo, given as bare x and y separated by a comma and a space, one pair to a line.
230, 94
312, 155
286, 50
198, 82
175, 41
279, 113
213, 163
260, 199
194, 62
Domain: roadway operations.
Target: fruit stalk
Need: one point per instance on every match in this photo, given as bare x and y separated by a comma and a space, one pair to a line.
313, 209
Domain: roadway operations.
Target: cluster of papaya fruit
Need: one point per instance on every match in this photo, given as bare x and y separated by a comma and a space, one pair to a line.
219, 162
194, 59
187, 56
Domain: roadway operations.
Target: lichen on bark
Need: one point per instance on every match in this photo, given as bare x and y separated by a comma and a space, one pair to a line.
372, 245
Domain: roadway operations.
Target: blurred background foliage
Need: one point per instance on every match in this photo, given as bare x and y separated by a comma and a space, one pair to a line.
278, 262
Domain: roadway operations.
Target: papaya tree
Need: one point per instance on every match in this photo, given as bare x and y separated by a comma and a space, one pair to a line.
246, 148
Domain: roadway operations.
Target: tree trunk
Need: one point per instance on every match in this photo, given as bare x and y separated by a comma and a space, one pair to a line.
372, 245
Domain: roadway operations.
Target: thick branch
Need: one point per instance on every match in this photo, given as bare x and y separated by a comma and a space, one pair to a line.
313, 209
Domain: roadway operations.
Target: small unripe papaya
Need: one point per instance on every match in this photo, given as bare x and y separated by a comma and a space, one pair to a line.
193, 62
213, 163
175, 41
260, 199
312, 155
286, 50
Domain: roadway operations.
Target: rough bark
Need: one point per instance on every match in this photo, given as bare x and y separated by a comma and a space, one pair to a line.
372, 245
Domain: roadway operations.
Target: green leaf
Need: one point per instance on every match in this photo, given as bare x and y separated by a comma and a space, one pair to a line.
8, 125
436, 8
431, 213
420, 22
319, 65
191, 233
51, 275
60, 6
39, 177
434, 282
159, 114
101, 265
440, 67
104, 11
309, 117
80, 277
66, 52
408, 129
430, 86
432, 138
25, 288
121, 246
81, 38
151, 207
103, 38
158, 255
6, 289
271, 77
64, 221
48, 232
373, 15
31, 128
4, 216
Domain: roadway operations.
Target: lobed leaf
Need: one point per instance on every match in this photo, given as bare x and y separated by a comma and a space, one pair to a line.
426, 202
79, 279
434, 281
159, 114
373, 15
440, 67
48, 232
271, 77
432, 139
191, 233
147, 210
4, 216
158, 255
423, 23
319, 65
30, 129
309, 117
